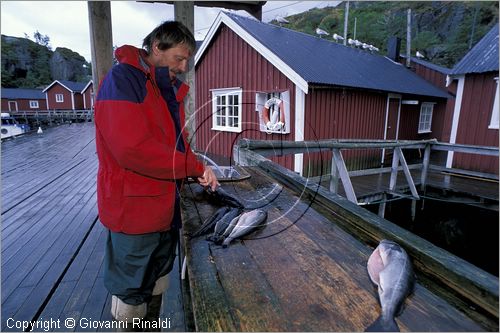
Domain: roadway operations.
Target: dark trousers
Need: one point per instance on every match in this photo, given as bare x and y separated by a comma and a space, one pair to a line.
133, 263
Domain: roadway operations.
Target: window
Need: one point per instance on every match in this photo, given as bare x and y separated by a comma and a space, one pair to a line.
59, 98
425, 122
494, 114
33, 104
226, 109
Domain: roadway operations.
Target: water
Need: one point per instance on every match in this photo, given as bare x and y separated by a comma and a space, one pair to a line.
469, 232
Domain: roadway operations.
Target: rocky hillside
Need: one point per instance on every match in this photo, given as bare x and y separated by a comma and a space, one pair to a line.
26, 64
442, 30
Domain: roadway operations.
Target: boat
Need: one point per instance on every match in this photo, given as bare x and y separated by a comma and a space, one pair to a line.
10, 126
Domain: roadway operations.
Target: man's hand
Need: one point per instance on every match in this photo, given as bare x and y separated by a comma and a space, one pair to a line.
208, 178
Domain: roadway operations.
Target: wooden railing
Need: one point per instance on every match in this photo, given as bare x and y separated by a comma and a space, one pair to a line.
49, 116
338, 170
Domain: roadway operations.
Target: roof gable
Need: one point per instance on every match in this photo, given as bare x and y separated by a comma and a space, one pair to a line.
483, 57
91, 83
68, 85
306, 59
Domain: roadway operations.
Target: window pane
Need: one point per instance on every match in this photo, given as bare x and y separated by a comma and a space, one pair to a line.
236, 99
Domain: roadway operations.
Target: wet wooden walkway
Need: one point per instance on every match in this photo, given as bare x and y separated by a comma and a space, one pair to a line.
52, 240
304, 273
300, 273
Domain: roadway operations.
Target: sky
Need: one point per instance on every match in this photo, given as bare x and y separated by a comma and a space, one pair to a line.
66, 22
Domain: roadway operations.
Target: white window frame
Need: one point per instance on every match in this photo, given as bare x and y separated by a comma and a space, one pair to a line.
424, 125
226, 94
34, 105
495, 112
59, 98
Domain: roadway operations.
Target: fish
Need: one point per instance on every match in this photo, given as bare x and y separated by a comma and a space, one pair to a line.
223, 223
247, 223
209, 224
390, 268
222, 198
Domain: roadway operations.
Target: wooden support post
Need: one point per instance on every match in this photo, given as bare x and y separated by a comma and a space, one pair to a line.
425, 166
101, 39
334, 176
394, 171
381, 206
184, 13
413, 210
406, 171
344, 176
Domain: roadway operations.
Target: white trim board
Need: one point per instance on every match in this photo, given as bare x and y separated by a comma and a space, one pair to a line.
255, 44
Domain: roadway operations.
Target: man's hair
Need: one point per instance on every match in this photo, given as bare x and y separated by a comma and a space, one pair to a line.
170, 34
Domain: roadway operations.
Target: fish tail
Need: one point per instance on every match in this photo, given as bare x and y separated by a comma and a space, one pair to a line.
226, 242
383, 325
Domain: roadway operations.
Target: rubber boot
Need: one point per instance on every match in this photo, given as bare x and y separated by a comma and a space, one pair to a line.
154, 306
125, 313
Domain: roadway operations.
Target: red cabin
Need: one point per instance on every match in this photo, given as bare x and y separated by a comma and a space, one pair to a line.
327, 90
65, 95
17, 99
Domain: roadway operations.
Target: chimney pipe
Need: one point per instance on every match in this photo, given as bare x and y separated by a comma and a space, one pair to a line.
393, 48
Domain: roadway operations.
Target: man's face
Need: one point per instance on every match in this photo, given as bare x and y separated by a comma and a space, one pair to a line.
175, 58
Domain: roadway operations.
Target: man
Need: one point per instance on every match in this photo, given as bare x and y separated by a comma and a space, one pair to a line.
143, 158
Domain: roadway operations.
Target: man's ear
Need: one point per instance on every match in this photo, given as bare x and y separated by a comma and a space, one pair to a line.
156, 50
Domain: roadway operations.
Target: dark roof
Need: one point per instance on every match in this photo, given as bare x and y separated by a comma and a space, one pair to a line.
198, 44
70, 85
430, 65
322, 61
20, 93
482, 58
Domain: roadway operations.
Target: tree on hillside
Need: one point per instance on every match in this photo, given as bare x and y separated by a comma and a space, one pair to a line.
43, 40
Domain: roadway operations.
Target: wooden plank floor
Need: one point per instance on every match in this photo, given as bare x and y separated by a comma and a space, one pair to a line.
52, 240
300, 273
309, 276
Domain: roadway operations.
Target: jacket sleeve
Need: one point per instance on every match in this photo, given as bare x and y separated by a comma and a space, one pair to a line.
128, 136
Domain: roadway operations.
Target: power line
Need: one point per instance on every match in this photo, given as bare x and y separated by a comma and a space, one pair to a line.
291, 4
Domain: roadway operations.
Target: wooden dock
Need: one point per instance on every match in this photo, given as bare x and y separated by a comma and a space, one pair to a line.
52, 240
300, 273
305, 272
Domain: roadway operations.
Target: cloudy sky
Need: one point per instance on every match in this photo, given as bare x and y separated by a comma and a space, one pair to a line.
66, 22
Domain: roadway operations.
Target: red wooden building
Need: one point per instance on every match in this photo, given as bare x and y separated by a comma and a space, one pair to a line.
17, 99
65, 95
327, 91
88, 96
475, 115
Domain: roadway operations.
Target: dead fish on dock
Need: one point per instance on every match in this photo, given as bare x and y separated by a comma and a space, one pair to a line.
209, 224
223, 198
247, 223
223, 224
391, 270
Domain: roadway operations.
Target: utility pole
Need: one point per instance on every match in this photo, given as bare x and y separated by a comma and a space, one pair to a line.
346, 18
355, 24
476, 9
408, 38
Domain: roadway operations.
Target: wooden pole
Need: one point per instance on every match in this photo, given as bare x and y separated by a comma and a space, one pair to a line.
408, 38
346, 19
184, 13
334, 175
101, 39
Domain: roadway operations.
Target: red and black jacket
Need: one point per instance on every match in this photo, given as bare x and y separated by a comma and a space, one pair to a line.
139, 158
